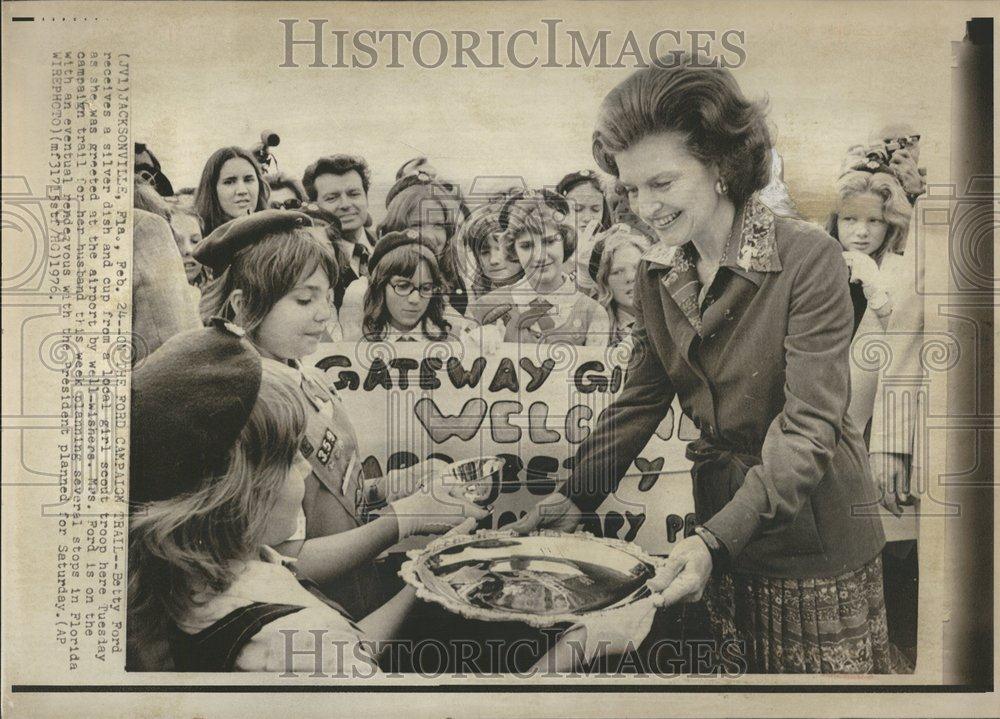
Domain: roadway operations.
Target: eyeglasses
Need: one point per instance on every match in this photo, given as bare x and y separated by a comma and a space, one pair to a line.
290, 204
405, 288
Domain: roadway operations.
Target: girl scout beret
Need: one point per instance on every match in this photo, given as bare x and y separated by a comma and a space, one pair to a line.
391, 241
218, 249
191, 399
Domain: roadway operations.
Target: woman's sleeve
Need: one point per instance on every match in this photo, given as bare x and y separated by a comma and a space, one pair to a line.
801, 440
627, 424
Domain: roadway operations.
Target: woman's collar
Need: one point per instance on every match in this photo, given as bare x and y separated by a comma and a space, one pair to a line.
751, 247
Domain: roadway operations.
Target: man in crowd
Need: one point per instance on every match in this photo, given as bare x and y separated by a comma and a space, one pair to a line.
339, 184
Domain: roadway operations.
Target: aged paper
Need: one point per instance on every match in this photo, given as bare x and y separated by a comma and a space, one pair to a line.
495, 95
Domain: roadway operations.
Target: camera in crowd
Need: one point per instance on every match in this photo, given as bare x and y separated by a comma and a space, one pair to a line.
262, 152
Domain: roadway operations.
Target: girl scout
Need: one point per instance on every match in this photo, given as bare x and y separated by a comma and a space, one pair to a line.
273, 278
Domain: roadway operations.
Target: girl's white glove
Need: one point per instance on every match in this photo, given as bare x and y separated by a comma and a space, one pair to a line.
399, 483
613, 632
864, 270
432, 511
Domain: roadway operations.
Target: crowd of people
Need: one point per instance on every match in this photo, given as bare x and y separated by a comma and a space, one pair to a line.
243, 457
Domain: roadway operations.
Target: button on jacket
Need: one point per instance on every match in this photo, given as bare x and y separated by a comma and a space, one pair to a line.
759, 361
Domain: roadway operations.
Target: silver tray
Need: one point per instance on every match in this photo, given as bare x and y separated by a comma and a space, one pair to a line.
542, 579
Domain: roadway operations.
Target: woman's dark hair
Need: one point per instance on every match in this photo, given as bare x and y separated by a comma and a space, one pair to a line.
706, 105
336, 165
403, 262
411, 166
586, 177
206, 199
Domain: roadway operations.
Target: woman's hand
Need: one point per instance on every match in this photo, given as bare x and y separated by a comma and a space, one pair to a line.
467, 526
556, 512
684, 574
892, 479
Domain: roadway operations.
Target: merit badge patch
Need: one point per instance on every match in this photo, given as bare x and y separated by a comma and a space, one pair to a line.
326, 447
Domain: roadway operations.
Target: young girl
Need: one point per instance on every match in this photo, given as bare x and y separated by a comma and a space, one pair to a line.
417, 202
480, 236
404, 300
871, 220
217, 478
588, 214
231, 185
586, 201
186, 225
273, 278
622, 248
544, 307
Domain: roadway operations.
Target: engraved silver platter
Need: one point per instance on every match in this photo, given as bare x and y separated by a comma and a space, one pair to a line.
542, 579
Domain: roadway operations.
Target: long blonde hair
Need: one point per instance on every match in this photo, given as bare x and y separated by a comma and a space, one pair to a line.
895, 207
617, 237
193, 541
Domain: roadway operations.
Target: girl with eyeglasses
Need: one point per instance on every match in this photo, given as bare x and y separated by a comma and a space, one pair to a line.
405, 301
273, 279
418, 202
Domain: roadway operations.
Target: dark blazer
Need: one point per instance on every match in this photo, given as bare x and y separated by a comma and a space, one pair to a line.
761, 366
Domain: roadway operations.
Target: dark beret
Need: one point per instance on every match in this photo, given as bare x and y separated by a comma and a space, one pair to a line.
391, 241
191, 399
218, 249
417, 178
576, 178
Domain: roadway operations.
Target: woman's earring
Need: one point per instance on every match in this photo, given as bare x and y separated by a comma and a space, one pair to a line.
720, 186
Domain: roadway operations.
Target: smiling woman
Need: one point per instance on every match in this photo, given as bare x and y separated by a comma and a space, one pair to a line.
780, 486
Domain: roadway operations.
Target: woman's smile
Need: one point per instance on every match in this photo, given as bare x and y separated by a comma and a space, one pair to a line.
662, 223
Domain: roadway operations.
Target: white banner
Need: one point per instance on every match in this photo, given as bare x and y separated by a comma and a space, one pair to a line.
532, 406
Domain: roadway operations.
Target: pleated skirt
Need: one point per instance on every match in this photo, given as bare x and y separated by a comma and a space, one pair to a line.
823, 626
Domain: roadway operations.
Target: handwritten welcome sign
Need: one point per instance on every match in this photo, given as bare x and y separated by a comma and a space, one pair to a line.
532, 406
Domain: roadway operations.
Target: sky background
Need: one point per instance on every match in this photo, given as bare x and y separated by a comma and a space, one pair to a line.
832, 73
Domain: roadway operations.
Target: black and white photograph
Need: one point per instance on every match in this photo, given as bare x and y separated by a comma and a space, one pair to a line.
497, 352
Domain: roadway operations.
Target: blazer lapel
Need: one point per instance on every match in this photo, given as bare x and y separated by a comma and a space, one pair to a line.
725, 312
